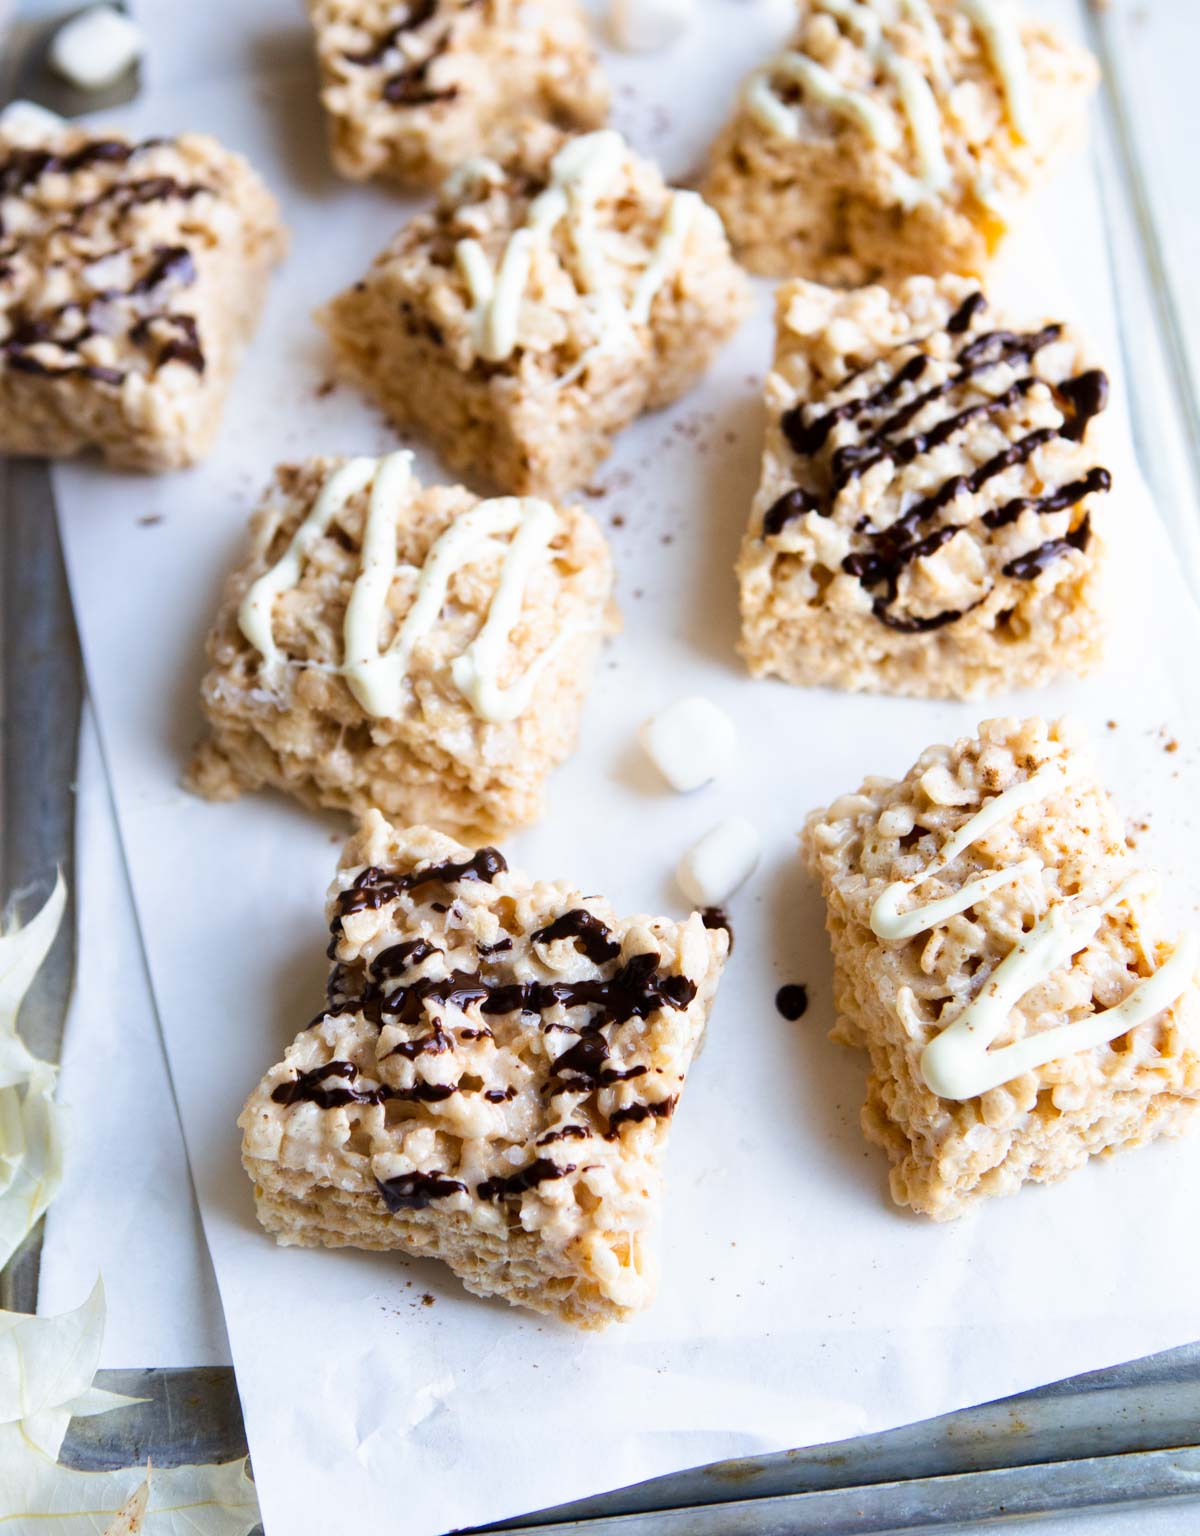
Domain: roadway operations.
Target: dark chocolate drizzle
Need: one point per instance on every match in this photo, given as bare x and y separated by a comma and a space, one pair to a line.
637, 990
506, 1187
24, 167
175, 265
172, 263
634, 1114
1025, 567
894, 548
592, 937
717, 917
792, 504
417, 14
375, 887
410, 87
310, 1088
415, 1191
564, 1133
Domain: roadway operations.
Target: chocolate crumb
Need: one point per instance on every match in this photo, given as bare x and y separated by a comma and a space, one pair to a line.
426, 1299
325, 388
151, 520
792, 1001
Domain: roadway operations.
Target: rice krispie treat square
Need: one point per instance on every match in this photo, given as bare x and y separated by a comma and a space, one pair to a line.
492, 1080
895, 138
413, 649
1001, 959
131, 277
411, 90
540, 307
928, 517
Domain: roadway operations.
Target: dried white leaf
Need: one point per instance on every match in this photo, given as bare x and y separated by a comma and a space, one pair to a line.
22, 951
39, 1495
31, 1123
128, 1519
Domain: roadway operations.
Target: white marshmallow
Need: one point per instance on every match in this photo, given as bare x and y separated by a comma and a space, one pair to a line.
724, 858
96, 47
640, 26
690, 742
27, 124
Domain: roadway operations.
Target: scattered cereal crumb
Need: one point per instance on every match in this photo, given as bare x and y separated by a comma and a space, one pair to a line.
151, 520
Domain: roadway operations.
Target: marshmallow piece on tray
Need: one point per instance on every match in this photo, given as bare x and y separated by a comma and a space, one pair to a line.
640, 26
724, 859
690, 742
96, 47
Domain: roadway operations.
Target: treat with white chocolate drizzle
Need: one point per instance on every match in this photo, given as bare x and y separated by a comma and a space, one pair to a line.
999, 954
894, 136
378, 677
402, 646
556, 290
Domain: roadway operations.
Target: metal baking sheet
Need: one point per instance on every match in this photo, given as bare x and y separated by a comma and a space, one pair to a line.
1127, 1435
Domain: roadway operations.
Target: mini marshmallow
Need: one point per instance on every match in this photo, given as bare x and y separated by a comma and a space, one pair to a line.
96, 47
640, 26
690, 742
724, 858
27, 124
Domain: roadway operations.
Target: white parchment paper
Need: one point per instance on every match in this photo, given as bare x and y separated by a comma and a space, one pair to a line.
126, 1208
797, 1305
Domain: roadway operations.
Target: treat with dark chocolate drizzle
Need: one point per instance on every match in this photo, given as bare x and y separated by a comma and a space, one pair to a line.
175, 265
378, 992
895, 547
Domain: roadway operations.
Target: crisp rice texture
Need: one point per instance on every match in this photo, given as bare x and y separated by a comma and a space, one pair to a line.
833, 205
131, 277
410, 92
298, 726
892, 998
860, 552
520, 1145
540, 421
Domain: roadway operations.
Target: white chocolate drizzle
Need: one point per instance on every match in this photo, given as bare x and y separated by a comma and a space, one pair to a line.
959, 1063
579, 176
887, 922
922, 112
1006, 51
376, 676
